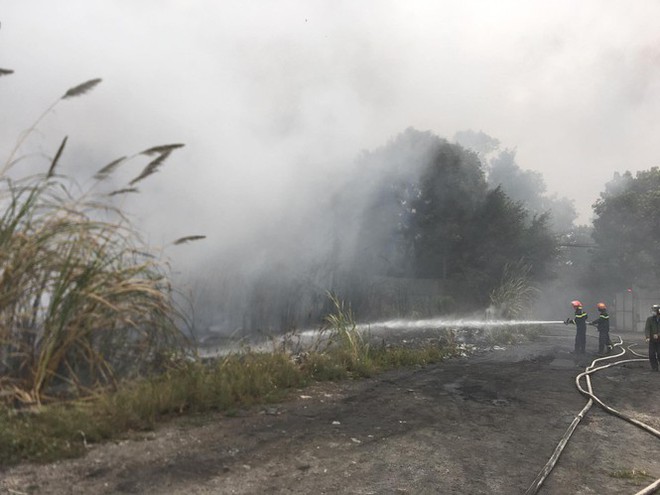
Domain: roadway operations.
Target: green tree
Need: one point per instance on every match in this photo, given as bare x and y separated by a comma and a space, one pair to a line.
502, 233
84, 301
625, 230
380, 200
450, 190
527, 186
430, 214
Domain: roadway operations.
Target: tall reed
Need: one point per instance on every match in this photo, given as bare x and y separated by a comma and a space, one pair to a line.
83, 300
515, 292
347, 338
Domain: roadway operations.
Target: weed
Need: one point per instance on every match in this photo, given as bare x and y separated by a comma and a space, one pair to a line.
83, 301
639, 476
229, 384
352, 346
515, 293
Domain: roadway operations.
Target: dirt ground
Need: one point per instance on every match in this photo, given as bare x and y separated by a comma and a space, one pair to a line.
482, 424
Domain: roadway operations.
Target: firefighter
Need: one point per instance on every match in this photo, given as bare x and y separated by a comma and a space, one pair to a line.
652, 332
580, 321
603, 325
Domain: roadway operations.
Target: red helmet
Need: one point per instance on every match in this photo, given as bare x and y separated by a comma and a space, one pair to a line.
576, 304
601, 306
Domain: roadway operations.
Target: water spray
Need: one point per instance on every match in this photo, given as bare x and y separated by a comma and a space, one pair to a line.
404, 324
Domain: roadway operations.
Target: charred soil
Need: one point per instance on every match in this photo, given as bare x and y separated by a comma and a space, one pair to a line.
483, 424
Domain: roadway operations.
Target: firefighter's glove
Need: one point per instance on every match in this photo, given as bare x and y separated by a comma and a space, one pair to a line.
568, 321
655, 336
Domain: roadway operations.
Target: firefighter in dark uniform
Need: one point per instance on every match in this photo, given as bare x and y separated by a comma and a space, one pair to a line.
652, 332
603, 325
580, 321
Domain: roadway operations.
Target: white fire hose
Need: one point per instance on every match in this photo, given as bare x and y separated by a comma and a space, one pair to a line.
592, 368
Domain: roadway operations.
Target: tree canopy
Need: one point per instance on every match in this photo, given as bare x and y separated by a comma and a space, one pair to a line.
431, 214
625, 227
527, 186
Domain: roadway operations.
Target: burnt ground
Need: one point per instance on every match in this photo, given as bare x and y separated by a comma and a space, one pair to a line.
483, 424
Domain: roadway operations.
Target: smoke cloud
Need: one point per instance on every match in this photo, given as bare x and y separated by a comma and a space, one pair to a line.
275, 100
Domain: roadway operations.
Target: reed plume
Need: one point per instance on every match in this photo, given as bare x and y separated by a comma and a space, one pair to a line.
71, 93
81, 89
165, 148
124, 190
53, 164
104, 172
190, 238
152, 167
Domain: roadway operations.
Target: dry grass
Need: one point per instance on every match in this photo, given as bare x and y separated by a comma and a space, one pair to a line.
515, 293
637, 476
344, 332
82, 299
235, 382
239, 381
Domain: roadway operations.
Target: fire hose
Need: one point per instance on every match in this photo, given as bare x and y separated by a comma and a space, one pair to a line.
592, 368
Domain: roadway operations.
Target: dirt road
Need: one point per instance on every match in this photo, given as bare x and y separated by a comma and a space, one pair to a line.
484, 424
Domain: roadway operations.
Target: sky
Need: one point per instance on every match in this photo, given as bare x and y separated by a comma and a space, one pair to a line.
271, 98
254, 88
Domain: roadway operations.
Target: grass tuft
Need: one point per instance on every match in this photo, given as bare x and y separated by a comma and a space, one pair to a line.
234, 382
638, 476
515, 293
83, 301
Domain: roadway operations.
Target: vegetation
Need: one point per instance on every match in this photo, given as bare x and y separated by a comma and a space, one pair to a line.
510, 334
83, 302
431, 214
639, 476
415, 229
514, 294
627, 217
237, 381
525, 186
